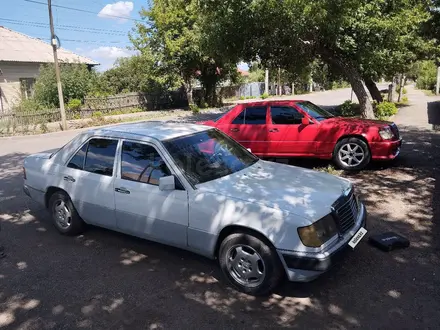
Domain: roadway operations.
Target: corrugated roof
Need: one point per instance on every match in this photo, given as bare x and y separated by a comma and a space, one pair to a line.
18, 47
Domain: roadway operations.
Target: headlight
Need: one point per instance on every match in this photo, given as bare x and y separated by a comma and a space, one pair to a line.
318, 233
386, 133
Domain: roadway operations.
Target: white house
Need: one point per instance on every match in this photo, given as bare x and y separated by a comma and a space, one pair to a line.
20, 60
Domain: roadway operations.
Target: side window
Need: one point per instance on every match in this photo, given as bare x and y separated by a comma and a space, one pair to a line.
255, 116
285, 116
240, 118
141, 162
101, 156
77, 161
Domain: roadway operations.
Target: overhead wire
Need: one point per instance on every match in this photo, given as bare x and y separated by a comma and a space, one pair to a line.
82, 30
85, 11
61, 25
75, 40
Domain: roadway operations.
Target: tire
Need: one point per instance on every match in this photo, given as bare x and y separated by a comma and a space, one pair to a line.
352, 150
257, 257
62, 211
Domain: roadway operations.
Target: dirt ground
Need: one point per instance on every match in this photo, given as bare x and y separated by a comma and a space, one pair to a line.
105, 280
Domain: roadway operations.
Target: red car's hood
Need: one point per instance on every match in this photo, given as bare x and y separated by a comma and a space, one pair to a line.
357, 121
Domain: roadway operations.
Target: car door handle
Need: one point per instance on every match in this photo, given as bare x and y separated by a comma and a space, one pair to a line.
274, 130
122, 190
69, 178
234, 130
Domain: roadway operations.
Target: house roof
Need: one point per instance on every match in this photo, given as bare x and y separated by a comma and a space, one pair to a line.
18, 47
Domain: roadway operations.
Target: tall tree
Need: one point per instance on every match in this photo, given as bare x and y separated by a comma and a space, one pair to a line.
173, 34
349, 35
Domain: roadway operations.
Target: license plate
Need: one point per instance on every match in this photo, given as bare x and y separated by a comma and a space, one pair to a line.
357, 237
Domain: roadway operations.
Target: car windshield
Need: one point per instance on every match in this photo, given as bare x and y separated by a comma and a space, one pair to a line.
208, 155
315, 111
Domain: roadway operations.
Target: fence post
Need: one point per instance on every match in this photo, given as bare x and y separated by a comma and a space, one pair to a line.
437, 86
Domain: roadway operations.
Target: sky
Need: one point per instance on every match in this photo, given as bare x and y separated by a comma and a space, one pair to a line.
96, 33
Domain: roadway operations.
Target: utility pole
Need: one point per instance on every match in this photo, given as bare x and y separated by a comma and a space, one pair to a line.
57, 67
266, 83
279, 81
437, 87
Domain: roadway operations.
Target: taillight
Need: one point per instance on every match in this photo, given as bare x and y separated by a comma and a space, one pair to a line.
24, 173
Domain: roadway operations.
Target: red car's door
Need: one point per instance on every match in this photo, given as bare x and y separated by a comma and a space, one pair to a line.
287, 134
249, 128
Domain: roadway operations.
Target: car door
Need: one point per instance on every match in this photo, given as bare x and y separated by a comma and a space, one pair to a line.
287, 134
88, 179
249, 128
142, 209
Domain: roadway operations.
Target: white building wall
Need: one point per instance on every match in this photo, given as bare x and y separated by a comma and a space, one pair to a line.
10, 75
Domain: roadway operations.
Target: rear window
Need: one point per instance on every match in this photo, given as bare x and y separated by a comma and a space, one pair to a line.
251, 116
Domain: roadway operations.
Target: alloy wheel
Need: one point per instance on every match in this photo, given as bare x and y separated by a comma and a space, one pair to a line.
351, 154
62, 214
245, 265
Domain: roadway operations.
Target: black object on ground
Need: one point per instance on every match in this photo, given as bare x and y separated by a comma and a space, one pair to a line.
389, 241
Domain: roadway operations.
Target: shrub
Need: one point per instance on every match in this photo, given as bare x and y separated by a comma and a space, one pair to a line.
194, 108
426, 72
348, 109
405, 100
385, 109
97, 115
28, 106
404, 91
74, 104
264, 96
77, 81
242, 98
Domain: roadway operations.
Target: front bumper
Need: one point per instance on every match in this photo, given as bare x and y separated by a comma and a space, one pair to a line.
386, 150
305, 267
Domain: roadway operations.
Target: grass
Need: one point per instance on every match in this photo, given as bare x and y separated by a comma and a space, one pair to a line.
428, 92
330, 169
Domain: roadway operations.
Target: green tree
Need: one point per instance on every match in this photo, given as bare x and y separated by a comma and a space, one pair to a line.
77, 80
172, 35
357, 38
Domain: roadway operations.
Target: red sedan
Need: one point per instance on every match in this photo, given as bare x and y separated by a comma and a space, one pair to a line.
302, 129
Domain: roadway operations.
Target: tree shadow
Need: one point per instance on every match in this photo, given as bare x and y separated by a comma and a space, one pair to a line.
108, 280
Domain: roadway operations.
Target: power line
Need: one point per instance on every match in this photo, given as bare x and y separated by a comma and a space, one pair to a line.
68, 29
75, 40
62, 25
85, 11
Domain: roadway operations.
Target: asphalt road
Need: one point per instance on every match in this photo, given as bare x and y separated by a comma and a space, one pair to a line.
105, 280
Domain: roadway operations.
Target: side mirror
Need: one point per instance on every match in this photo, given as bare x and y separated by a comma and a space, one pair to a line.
305, 121
167, 183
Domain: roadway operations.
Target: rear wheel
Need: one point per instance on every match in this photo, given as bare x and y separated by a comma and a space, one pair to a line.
249, 264
64, 215
351, 154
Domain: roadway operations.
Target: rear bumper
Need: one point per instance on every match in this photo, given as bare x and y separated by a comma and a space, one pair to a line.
307, 267
386, 150
35, 194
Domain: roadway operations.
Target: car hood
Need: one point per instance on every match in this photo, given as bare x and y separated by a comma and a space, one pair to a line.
357, 122
303, 192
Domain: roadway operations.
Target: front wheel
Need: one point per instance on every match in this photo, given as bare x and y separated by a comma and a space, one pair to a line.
351, 154
249, 264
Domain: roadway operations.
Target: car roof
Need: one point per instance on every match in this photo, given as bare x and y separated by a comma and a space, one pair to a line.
270, 102
159, 130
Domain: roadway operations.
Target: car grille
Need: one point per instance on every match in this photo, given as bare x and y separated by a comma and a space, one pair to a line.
395, 130
345, 212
